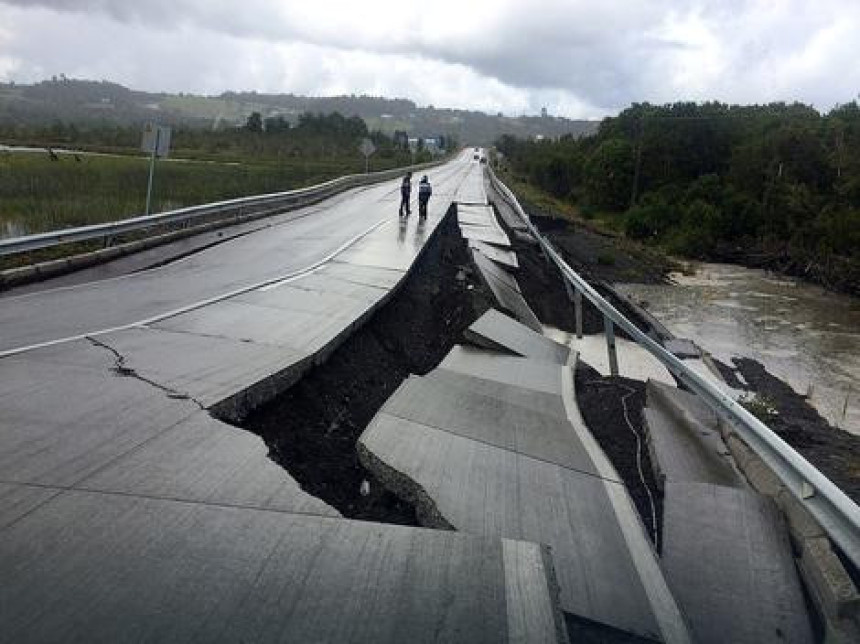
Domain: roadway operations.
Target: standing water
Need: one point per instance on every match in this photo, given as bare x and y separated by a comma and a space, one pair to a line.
803, 334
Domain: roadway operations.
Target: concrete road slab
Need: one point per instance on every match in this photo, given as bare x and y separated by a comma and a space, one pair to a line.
394, 246
485, 234
505, 258
471, 190
107, 568
633, 361
17, 500
491, 365
495, 330
74, 420
209, 369
491, 269
204, 460
322, 295
528, 398
349, 280
476, 215
729, 563
315, 321
684, 446
486, 490
442, 404
506, 290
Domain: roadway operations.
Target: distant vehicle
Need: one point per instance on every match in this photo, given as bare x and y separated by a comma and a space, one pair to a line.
477, 149
483, 159
476, 157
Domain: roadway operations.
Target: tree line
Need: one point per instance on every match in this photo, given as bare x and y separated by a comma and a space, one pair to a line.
312, 137
716, 181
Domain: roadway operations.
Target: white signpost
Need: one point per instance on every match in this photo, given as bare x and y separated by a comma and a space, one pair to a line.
367, 148
156, 141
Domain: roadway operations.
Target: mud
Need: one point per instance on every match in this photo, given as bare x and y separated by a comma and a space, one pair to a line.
834, 452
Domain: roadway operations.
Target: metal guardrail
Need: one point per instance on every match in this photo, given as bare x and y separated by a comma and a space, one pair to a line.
837, 514
219, 210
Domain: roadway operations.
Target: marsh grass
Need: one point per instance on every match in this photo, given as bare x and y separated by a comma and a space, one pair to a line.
39, 195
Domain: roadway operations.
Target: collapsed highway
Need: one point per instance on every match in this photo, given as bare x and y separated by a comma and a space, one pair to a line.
426, 459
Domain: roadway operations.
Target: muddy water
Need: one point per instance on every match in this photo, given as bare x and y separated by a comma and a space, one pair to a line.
803, 334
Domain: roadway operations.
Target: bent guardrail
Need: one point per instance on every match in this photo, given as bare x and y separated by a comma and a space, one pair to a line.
232, 208
837, 514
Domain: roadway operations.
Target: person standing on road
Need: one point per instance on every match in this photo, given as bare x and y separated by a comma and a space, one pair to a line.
424, 192
405, 193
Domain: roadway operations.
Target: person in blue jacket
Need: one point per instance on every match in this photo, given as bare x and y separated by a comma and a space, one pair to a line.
405, 193
424, 192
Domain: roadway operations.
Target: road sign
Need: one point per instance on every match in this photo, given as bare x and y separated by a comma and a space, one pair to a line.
367, 148
156, 140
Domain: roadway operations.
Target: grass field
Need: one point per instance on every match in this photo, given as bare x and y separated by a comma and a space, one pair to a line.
38, 194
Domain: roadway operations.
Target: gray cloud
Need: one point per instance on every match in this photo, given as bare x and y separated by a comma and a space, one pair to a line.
585, 56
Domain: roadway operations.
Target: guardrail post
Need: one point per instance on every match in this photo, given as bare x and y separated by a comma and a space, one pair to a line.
575, 296
609, 328
577, 312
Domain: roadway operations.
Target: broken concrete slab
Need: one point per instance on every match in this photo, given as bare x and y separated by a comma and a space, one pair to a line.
487, 234
684, 440
682, 348
438, 402
505, 258
168, 571
729, 563
481, 488
491, 365
476, 215
211, 370
506, 290
545, 403
206, 461
490, 269
633, 360
495, 330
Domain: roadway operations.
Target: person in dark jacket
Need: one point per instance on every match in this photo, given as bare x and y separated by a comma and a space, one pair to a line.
405, 193
424, 192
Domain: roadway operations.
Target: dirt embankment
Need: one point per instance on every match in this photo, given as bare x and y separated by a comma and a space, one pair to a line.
835, 452
312, 429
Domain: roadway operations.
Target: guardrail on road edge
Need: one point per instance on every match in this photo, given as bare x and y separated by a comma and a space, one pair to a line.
837, 514
221, 210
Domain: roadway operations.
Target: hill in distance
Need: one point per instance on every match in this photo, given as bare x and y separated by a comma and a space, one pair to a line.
101, 102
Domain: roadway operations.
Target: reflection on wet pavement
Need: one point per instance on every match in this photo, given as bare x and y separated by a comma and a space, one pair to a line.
803, 334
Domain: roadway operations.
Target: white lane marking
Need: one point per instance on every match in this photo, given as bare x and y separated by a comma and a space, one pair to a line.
293, 275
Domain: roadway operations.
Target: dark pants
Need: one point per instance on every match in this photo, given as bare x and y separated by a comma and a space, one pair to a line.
404, 203
422, 205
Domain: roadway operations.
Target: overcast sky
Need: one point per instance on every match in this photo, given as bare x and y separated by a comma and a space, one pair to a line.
579, 58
